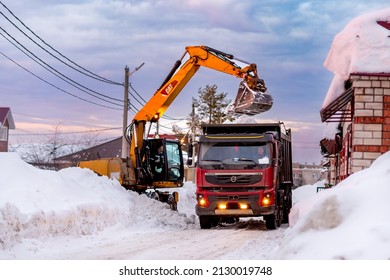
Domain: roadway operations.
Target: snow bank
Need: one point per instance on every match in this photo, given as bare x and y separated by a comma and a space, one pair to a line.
37, 203
43, 202
348, 221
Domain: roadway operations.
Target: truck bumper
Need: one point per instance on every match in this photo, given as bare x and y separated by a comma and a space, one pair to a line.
254, 211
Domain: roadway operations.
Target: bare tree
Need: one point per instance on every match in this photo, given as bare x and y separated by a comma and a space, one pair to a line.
43, 150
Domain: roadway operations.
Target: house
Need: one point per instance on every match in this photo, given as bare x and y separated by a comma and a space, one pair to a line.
307, 174
108, 149
6, 123
360, 91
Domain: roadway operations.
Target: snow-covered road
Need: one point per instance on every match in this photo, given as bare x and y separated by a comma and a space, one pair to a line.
245, 239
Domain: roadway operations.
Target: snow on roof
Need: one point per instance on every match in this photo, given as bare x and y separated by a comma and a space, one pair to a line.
363, 46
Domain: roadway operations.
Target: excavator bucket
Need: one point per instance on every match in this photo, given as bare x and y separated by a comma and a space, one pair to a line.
251, 102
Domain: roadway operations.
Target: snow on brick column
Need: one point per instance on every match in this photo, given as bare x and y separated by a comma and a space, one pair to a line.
371, 123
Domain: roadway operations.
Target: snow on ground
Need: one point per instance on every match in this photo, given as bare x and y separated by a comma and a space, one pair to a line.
36, 204
349, 221
48, 213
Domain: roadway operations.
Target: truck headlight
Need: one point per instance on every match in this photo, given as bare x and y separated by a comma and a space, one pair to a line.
202, 201
243, 206
222, 206
266, 199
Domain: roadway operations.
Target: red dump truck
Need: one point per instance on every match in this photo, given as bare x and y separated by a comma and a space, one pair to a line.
244, 170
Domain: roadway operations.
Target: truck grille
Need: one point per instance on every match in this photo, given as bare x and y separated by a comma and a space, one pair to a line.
233, 178
234, 197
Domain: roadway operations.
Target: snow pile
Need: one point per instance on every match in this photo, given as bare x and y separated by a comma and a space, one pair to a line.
304, 195
348, 221
37, 203
362, 46
44, 213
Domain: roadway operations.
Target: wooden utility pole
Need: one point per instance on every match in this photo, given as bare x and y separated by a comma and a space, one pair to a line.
191, 139
125, 145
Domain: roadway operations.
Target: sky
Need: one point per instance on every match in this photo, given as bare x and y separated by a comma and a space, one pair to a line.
75, 214
288, 40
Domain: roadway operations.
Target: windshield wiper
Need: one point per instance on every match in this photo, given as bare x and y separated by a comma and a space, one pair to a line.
245, 159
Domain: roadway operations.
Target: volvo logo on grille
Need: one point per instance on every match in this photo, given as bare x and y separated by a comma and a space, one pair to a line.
233, 179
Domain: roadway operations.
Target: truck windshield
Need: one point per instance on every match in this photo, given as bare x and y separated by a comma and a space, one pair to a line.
239, 155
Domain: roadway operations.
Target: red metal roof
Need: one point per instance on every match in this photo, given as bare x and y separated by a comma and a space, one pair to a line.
384, 24
5, 115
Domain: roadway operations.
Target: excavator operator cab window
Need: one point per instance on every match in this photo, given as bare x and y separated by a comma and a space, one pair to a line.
165, 160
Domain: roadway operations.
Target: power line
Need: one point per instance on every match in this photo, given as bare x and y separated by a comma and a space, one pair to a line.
60, 89
57, 73
59, 120
135, 109
63, 77
51, 69
89, 73
64, 133
144, 101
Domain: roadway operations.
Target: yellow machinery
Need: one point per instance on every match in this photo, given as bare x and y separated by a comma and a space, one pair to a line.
141, 171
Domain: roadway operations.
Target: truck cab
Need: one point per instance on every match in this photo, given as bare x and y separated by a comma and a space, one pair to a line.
243, 170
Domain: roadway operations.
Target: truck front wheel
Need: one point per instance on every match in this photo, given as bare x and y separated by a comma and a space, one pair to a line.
273, 221
205, 222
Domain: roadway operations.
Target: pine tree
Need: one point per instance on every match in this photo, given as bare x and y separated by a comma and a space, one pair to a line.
211, 106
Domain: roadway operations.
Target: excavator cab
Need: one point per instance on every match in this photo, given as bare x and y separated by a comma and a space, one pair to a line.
163, 162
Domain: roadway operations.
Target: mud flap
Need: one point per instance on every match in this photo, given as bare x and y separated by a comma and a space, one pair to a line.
250, 102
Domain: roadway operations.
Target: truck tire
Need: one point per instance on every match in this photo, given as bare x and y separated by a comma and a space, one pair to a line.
287, 204
205, 222
273, 221
214, 221
270, 221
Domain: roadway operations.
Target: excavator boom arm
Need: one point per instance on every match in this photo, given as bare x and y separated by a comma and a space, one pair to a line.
136, 171
199, 56
178, 78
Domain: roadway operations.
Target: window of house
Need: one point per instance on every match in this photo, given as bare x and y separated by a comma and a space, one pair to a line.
3, 133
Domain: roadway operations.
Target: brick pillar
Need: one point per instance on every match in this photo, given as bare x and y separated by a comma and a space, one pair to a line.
3, 146
333, 170
386, 122
371, 122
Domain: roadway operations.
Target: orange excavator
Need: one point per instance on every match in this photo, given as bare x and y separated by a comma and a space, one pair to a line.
156, 164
